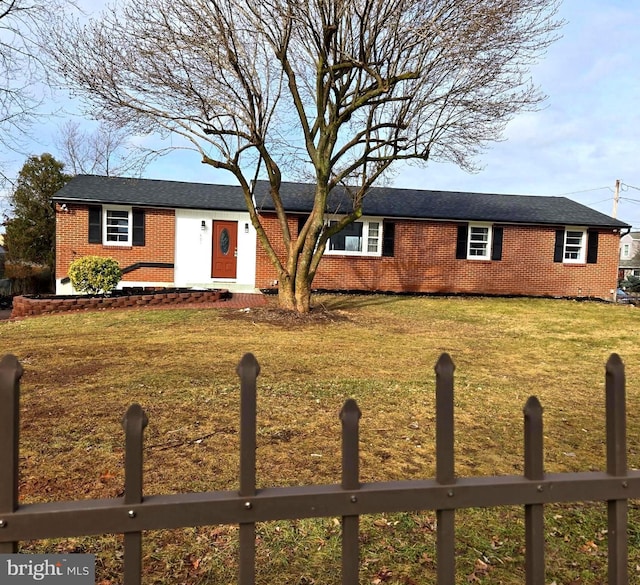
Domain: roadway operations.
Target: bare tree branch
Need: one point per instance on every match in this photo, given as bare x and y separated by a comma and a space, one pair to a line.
21, 69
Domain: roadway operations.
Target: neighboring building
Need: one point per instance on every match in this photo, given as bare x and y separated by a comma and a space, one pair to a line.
166, 233
629, 255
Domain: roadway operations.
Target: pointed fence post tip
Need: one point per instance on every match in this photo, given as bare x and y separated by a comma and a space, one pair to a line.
350, 409
445, 364
135, 413
10, 362
614, 363
532, 407
248, 366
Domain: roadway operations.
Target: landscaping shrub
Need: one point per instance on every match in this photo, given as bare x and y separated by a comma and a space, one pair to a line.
94, 274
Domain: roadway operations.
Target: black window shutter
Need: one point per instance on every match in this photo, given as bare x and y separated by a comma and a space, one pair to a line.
496, 251
138, 227
558, 251
95, 224
302, 219
461, 243
592, 247
388, 238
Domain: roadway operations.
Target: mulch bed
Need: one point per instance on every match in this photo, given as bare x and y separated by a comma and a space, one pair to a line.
287, 319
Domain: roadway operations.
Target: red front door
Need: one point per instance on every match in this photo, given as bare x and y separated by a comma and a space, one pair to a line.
225, 249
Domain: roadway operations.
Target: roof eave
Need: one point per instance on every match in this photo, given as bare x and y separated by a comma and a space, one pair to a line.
131, 203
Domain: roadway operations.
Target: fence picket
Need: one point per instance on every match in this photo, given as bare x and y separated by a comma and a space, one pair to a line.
617, 510
445, 468
534, 513
350, 417
10, 374
134, 423
248, 370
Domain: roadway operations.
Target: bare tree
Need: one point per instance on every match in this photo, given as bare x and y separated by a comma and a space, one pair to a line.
21, 22
105, 151
16, 101
340, 89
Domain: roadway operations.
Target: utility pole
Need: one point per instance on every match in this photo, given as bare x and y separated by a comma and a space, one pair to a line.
616, 198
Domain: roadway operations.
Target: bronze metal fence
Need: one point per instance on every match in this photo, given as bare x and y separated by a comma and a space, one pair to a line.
134, 512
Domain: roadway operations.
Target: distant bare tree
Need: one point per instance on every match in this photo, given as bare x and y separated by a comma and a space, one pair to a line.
106, 151
339, 89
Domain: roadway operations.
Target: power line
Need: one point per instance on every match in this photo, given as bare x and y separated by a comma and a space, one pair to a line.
585, 191
596, 202
620, 186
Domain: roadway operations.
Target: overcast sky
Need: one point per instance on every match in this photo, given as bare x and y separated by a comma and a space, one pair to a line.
586, 137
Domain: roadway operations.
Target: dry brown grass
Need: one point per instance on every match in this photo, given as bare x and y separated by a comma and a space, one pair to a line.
82, 371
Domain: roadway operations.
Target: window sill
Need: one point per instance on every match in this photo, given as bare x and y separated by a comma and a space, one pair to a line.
117, 246
350, 255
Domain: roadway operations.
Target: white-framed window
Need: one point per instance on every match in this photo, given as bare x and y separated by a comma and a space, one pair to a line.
373, 237
479, 242
360, 238
626, 251
117, 225
574, 245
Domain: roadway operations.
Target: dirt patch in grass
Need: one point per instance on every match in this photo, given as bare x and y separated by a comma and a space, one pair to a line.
319, 315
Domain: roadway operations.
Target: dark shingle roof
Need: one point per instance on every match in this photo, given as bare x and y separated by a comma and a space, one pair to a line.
633, 262
380, 201
151, 192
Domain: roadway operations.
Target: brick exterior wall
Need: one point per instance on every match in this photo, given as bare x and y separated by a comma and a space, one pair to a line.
72, 228
425, 261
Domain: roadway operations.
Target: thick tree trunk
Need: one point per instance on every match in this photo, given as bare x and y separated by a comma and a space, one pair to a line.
303, 296
294, 297
286, 295
294, 284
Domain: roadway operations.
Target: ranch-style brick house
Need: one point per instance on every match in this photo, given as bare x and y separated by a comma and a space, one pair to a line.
179, 234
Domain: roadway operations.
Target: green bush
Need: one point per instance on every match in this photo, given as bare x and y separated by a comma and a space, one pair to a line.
94, 274
631, 284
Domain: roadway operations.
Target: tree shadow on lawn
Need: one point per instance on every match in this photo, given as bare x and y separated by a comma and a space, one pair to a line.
355, 300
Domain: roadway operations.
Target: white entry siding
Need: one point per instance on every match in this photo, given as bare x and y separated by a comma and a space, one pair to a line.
194, 245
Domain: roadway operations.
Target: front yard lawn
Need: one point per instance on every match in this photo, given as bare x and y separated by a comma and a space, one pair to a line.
83, 370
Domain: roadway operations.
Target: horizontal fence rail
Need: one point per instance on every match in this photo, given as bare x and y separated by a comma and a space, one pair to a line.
134, 513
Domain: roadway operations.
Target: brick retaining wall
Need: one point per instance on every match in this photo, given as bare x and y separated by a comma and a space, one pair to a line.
30, 307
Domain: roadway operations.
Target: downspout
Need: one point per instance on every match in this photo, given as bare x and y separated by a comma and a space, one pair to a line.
618, 283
